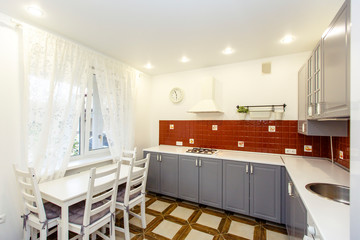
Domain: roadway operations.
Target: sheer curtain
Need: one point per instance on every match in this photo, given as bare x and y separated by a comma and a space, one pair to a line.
116, 83
55, 76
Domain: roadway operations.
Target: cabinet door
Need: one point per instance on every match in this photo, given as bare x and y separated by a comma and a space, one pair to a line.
302, 80
265, 190
289, 206
336, 65
299, 218
188, 178
236, 186
210, 179
153, 179
169, 174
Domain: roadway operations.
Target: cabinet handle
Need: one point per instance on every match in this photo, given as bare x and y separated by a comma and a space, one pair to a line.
160, 158
247, 168
251, 169
290, 189
196, 162
157, 157
199, 162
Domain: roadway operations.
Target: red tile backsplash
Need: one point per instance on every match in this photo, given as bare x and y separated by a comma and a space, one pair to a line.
255, 135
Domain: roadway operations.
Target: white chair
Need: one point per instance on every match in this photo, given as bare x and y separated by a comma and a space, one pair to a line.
87, 217
127, 156
38, 217
133, 193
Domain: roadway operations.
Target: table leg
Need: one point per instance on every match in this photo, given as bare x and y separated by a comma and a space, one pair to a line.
65, 222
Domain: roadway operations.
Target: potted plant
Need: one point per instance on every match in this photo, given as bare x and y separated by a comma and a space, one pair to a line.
242, 111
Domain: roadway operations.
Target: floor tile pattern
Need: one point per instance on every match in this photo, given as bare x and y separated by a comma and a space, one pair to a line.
176, 219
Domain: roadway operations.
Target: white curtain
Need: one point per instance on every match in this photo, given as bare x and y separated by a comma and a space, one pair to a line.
55, 76
116, 83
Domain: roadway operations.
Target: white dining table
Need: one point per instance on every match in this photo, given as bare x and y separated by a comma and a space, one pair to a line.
69, 190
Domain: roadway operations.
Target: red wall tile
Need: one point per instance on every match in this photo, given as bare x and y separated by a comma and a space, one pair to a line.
256, 136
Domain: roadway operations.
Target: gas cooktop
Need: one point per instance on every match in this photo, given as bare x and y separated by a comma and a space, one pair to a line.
207, 151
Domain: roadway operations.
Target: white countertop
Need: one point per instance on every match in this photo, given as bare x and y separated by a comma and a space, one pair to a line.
265, 158
331, 218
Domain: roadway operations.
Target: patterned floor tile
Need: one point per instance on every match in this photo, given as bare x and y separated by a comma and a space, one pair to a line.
159, 206
167, 229
270, 235
182, 212
209, 220
241, 230
197, 235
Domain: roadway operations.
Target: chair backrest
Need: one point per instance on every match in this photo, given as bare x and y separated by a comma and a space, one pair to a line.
102, 185
127, 156
136, 180
30, 192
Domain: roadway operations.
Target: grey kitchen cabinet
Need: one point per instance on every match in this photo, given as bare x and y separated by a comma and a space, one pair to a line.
336, 65
236, 186
200, 180
163, 174
188, 178
210, 179
309, 125
296, 213
153, 179
265, 191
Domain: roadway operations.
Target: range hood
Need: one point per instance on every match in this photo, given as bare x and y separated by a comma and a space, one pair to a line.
207, 103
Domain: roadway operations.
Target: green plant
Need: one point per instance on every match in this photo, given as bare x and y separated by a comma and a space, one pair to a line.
242, 109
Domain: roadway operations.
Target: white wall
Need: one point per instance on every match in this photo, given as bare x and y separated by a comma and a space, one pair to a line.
235, 84
355, 122
10, 141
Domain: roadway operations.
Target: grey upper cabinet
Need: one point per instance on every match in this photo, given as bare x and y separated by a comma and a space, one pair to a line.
265, 191
169, 174
153, 180
236, 186
163, 174
210, 179
188, 178
336, 65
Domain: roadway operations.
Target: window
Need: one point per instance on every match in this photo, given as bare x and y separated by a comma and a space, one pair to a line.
90, 137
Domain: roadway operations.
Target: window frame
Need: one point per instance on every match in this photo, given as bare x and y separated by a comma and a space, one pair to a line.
85, 123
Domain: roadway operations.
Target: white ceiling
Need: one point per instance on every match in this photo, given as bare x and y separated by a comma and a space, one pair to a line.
162, 31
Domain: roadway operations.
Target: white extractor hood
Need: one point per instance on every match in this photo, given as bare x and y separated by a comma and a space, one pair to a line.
207, 103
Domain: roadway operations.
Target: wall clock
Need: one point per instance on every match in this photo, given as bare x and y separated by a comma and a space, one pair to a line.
176, 95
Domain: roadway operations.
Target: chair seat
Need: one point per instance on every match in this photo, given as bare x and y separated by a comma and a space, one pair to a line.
76, 213
121, 194
51, 210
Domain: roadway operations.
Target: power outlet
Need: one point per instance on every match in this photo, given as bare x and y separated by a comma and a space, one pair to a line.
2, 218
290, 151
214, 127
179, 143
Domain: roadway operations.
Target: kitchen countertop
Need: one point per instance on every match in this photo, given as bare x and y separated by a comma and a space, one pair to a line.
252, 157
331, 218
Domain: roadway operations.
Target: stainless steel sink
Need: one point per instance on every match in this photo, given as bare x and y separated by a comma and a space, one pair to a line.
334, 192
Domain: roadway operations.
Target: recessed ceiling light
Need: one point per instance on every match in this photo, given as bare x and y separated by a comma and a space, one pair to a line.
228, 51
148, 66
287, 39
184, 59
35, 11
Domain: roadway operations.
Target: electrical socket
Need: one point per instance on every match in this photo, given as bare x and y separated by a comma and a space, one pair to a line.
214, 127
290, 151
179, 143
2, 218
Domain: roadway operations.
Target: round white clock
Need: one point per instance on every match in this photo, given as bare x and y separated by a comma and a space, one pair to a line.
176, 95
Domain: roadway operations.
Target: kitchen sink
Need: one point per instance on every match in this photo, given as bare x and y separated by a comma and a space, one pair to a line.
333, 192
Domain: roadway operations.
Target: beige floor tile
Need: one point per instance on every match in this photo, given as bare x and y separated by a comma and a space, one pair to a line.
159, 206
137, 222
146, 199
197, 235
181, 212
241, 230
121, 236
167, 229
209, 220
270, 235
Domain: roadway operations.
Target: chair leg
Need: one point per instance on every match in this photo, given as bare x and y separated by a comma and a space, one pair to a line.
43, 234
93, 236
112, 233
126, 225
27, 232
33, 233
143, 215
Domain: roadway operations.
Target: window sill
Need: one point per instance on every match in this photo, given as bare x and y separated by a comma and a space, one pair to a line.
83, 162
